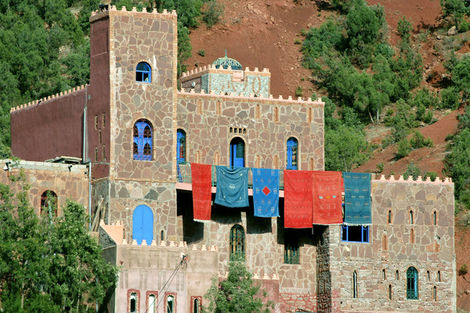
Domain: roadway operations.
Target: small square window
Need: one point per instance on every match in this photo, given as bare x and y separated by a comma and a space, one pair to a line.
355, 233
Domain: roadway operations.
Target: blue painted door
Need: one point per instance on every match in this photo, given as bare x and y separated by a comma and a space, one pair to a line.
237, 153
142, 224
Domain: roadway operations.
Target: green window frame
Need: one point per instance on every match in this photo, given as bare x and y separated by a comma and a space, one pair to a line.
412, 283
291, 253
237, 242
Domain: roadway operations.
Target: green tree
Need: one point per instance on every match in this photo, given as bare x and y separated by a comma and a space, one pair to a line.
461, 76
236, 294
49, 267
455, 9
345, 148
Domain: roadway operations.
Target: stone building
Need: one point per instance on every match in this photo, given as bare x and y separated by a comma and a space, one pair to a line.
136, 134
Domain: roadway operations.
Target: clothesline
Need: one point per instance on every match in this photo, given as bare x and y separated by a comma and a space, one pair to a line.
310, 197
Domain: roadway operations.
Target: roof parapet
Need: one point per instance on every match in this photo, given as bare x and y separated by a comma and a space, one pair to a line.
401, 179
289, 99
133, 9
48, 98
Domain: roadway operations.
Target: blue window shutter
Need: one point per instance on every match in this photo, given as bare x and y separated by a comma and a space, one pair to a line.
237, 153
292, 145
142, 224
180, 146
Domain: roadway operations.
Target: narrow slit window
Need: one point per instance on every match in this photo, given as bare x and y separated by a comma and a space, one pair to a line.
412, 236
411, 217
384, 274
434, 217
354, 285
397, 275
133, 300
170, 304
389, 217
389, 292
434, 293
439, 276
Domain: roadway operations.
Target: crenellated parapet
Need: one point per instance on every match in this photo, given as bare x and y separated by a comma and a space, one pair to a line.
419, 180
48, 98
229, 96
96, 15
199, 71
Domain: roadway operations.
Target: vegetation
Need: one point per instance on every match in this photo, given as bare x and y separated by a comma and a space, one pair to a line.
237, 293
49, 265
211, 15
457, 162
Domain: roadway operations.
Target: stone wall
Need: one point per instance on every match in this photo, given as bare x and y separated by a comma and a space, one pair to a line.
125, 196
67, 181
211, 121
235, 82
393, 248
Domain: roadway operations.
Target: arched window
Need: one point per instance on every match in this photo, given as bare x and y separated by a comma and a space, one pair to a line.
438, 276
434, 217
434, 293
152, 305
170, 304
181, 146
49, 204
142, 145
237, 242
143, 73
142, 224
133, 302
237, 152
397, 275
389, 292
412, 283
411, 217
389, 217
412, 236
196, 304
354, 285
384, 274
292, 157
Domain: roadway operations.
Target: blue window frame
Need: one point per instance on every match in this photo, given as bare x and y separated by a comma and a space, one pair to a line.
237, 152
412, 283
142, 145
142, 224
181, 146
143, 73
355, 233
292, 157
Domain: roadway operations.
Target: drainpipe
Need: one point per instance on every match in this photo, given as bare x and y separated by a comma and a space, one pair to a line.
84, 154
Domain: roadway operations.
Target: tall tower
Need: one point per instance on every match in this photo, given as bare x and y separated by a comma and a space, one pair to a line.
132, 119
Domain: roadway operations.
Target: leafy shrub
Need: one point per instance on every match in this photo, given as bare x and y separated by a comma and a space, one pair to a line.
463, 270
412, 170
419, 141
449, 98
211, 15
298, 91
345, 148
380, 167
201, 52
404, 148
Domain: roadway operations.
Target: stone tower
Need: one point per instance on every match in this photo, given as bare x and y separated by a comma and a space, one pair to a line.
132, 91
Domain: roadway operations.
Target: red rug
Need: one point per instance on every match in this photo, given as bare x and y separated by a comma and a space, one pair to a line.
298, 199
327, 189
201, 183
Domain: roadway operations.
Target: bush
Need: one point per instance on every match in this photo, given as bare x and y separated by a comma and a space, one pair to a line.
449, 98
201, 52
404, 148
419, 141
432, 175
298, 91
211, 15
413, 171
380, 167
463, 270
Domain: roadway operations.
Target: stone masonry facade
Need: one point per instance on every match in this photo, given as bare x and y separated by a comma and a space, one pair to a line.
412, 221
